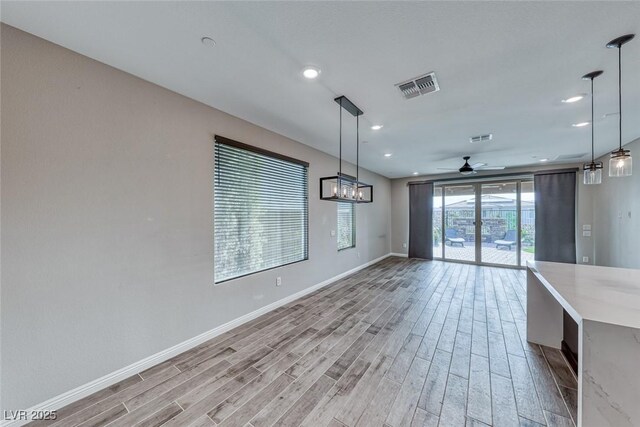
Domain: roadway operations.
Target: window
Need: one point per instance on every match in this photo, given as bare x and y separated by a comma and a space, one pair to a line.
260, 210
346, 226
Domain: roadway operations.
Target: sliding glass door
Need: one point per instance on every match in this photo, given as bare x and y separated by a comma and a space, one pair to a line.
485, 222
459, 223
527, 222
437, 222
499, 223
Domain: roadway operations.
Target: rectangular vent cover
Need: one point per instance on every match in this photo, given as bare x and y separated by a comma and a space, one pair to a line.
481, 138
567, 157
420, 85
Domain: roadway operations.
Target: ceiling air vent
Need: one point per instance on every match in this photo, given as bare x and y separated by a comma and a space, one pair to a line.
481, 138
420, 85
569, 157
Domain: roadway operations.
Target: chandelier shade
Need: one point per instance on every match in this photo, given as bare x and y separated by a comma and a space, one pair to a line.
592, 173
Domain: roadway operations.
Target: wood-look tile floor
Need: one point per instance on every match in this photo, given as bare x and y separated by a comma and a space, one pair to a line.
401, 343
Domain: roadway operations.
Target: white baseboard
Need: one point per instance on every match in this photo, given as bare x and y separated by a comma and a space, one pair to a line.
400, 255
78, 393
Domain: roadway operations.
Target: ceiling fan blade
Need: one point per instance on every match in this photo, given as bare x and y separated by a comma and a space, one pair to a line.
478, 165
491, 168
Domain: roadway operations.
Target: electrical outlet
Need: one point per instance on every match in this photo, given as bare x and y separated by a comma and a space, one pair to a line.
585, 259
358, 254
278, 281
333, 233
404, 245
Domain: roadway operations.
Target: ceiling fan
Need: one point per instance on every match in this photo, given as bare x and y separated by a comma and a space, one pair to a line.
468, 169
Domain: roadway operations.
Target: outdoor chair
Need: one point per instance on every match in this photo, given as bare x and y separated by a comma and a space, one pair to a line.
451, 236
509, 239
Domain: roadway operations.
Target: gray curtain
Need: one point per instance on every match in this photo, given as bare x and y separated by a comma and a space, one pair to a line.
421, 220
555, 194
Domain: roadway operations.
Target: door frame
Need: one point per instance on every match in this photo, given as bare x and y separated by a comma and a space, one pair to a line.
477, 188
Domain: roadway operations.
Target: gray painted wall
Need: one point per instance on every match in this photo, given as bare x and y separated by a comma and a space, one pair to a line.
615, 209
107, 231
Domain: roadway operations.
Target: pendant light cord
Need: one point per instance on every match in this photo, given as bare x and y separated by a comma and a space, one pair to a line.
357, 152
620, 92
592, 126
340, 159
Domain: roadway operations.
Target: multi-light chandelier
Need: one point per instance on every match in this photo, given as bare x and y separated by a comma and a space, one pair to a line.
343, 187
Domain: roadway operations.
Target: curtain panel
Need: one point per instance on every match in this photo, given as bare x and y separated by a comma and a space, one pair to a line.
421, 220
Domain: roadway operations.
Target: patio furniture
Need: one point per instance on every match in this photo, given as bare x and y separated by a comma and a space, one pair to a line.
509, 239
451, 236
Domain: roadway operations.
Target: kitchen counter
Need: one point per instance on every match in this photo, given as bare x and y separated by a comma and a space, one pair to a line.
605, 303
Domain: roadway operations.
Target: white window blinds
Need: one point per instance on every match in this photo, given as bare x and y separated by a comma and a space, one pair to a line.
346, 226
260, 210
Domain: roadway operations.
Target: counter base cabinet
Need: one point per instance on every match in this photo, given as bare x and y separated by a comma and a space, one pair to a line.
608, 356
570, 340
609, 375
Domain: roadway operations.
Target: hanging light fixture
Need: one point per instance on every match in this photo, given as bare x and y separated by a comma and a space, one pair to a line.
593, 170
343, 187
620, 163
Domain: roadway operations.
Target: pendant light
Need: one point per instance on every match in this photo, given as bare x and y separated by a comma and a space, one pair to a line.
593, 170
620, 163
343, 187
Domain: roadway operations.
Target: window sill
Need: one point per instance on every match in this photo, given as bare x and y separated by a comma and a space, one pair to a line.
222, 282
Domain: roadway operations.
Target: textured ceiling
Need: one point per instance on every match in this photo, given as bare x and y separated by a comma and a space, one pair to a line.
503, 68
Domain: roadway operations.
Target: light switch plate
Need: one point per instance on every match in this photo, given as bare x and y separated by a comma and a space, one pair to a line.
585, 259
586, 227
586, 233
404, 245
333, 233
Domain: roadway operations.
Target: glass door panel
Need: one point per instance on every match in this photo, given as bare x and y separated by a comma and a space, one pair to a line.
528, 222
437, 222
499, 221
459, 229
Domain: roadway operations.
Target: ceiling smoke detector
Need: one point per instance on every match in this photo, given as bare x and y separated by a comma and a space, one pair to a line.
420, 85
481, 138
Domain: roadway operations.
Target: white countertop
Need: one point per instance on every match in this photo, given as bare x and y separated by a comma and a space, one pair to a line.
602, 294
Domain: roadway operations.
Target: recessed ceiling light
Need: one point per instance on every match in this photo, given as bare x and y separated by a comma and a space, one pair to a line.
376, 127
573, 99
415, 173
581, 124
208, 41
544, 160
310, 72
387, 154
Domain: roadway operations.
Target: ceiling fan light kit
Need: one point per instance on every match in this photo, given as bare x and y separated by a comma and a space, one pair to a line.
343, 187
466, 169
